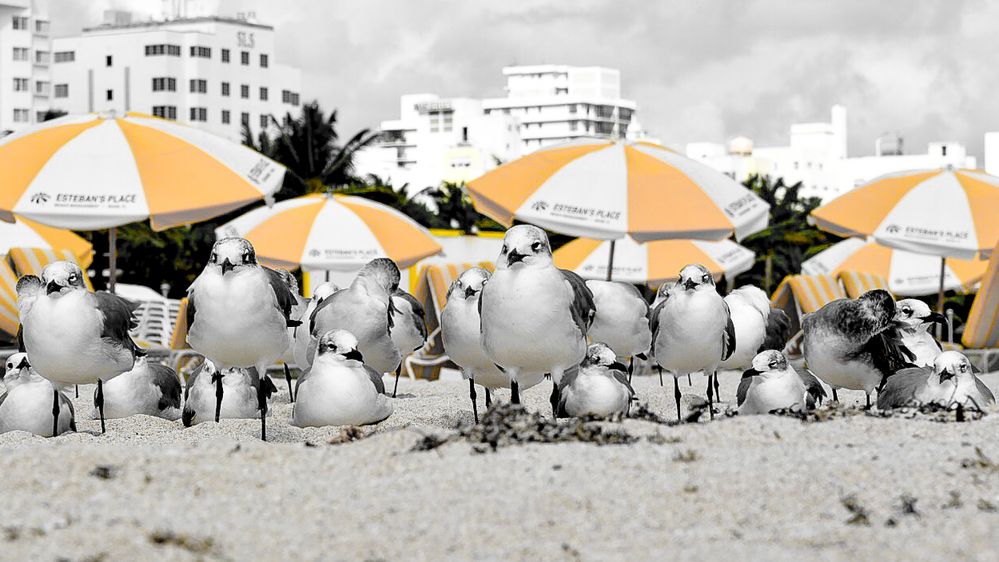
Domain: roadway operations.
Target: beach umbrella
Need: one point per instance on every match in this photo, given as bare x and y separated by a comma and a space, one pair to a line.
604, 189
96, 171
655, 262
944, 213
331, 232
23, 233
909, 274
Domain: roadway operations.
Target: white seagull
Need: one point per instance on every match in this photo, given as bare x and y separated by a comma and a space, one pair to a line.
621, 321
27, 404
598, 388
463, 343
238, 313
409, 324
914, 318
750, 310
534, 316
72, 335
340, 389
773, 384
948, 382
302, 337
692, 329
152, 389
205, 399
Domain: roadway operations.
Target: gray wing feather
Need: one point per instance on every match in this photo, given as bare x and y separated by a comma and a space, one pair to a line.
376, 379
166, 380
728, 338
743, 391
623, 379
813, 387
583, 307
984, 390
654, 324
900, 389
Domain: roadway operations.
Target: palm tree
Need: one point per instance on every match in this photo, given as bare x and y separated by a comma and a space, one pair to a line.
455, 209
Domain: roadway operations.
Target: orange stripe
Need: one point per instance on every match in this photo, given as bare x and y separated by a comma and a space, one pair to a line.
402, 241
183, 183
980, 332
661, 197
23, 158
573, 254
668, 257
872, 258
983, 200
60, 238
863, 209
283, 236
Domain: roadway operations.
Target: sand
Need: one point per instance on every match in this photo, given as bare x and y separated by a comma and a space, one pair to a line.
752, 487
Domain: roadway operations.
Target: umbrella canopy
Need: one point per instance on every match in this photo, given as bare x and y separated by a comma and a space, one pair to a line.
97, 171
604, 189
909, 274
654, 262
24, 233
946, 213
335, 232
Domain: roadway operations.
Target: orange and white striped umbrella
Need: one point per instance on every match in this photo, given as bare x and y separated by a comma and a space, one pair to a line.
604, 189
945, 213
24, 233
909, 274
654, 262
97, 171
335, 232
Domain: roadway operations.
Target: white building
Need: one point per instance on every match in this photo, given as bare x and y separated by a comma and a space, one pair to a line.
439, 139
214, 72
25, 56
556, 103
817, 157
992, 153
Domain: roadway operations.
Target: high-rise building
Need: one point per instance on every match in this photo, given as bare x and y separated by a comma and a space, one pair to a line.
217, 73
25, 56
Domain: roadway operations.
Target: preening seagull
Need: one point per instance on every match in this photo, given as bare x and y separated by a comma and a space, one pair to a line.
152, 389
750, 309
949, 381
27, 404
778, 330
534, 316
74, 336
599, 387
409, 327
460, 334
692, 330
773, 384
238, 313
340, 389
301, 334
914, 318
621, 321
297, 314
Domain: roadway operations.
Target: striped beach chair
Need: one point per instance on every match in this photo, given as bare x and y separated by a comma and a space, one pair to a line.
8, 301
31, 261
857, 283
799, 295
981, 332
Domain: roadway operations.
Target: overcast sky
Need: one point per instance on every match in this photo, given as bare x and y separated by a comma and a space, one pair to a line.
699, 70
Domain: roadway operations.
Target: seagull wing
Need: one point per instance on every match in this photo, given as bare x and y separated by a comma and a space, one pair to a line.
376, 379
728, 338
28, 289
654, 323
622, 378
583, 307
192, 378
778, 330
901, 388
191, 309
813, 388
117, 318
166, 380
285, 298
888, 353
419, 314
744, 384
984, 391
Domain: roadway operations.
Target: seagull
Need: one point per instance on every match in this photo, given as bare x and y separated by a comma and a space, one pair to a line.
27, 404
297, 312
621, 320
365, 309
854, 343
772, 384
661, 293
692, 329
949, 381
750, 309
463, 344
534, 316
409, 325
340, 389
599, 387
238, 313
302, 337
74, 336
914, 317
152, 389
205, 399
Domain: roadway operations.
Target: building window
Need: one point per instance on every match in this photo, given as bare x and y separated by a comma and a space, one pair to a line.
244, 57
20, 53
165, 111
264, 121
199, 114
164, 84
41, 57
41, 26
225, 116
107, 60
173, 50
225, 55
20, 84
244, 119
561, 91
201, 52
199, 86
244, 92
263, 93
65, 56
21, 115
62, 90
264, 62
289, 97
41, 87
109, 95
225, 89
20, 23
157, 50
40, 116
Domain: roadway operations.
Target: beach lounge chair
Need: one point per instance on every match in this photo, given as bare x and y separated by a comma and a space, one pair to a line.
856, 283
798, 295
31, 261
981, 332
8, 308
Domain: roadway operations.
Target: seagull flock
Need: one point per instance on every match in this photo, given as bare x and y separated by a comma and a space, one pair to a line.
527, 322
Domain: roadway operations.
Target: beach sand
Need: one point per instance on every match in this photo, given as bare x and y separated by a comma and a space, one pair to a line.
753, 487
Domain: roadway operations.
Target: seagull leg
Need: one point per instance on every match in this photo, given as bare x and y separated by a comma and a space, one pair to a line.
717, 389
77, 389
287, 377
631, 367
262, 405
711, 400
396, 387
676, 396
489, 399
99, 399
554, 398
471, 394
835, 397
55, 412
514, 392
660, 369
217, 379
868, 396
689, 383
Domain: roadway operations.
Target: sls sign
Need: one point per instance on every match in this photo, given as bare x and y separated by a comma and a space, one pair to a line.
245, 40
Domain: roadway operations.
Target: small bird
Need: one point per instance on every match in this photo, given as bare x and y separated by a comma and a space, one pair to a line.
238, 313
750, 309
340, 389
534, 316
72, 335
913, 318
297, 312
204, 398
152, 389
365, 309
949, 381
302, 337
854, 344
462, 341
27, 404
772, 384
599, 387
621, 321
692, 329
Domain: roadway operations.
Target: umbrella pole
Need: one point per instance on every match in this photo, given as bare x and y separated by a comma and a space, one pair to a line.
940, 294
112, 257
610, 262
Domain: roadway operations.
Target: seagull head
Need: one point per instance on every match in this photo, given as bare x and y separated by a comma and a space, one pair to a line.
695, 277
17, 362
232, 254
324, 290
60, 277
880, 304
526, 245
340, 344
767, 363
914, 314
289, 280
384, 272
951, 365
469, 284
601, 354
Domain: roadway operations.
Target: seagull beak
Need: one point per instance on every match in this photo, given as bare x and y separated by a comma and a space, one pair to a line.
946, 375
23, 364
934, 318
619, 366
750, 372
469, 292
227, 266
514, 257
689, 284
355, 355
52, 287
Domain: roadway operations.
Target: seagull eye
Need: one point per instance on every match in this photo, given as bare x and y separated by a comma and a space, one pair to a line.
704, 278
503, 250
536, 246
213, 258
